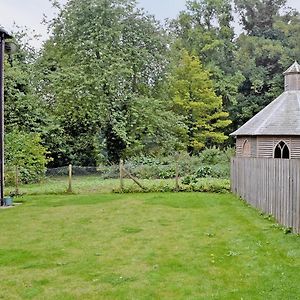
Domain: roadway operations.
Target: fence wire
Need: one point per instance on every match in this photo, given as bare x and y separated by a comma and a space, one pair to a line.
109, 178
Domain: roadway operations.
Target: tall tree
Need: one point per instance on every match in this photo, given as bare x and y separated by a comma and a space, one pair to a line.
288, 27
258, 16
264, 51
194, 98
23, 109
99, 75
261, 62
205, 28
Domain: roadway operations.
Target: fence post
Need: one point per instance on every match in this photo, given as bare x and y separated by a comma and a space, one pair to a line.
70, 179
121, 174
176, 172
17, 181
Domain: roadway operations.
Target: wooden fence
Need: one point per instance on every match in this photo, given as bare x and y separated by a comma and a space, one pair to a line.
271, 185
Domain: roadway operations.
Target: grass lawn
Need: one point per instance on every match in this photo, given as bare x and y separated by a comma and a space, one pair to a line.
144, 246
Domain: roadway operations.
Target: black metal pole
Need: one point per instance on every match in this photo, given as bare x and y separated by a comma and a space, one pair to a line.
2, 49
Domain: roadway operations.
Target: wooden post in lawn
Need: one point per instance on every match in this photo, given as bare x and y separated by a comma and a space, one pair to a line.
121, 174
17, 181
176, 172
70, 179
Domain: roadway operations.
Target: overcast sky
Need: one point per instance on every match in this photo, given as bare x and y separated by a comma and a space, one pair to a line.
30, 13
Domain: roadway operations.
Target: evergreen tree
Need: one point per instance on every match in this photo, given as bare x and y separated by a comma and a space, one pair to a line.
194, 98
205, 29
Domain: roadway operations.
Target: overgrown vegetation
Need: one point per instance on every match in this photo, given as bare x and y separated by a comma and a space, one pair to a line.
95, 184
24, 152
111, 82
207, 186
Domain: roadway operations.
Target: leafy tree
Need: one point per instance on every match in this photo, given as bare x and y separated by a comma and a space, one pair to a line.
25, 151
23, 109
288, 28
194, 97
266, 49
205, 29
259, 16
260, 61
99, 74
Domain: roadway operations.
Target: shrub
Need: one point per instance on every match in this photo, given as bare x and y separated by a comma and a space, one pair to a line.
166, 172
211, 156
204, 171
25, 151
211, 186
144, 171
220, 171
214, 155
189, 179
144, 167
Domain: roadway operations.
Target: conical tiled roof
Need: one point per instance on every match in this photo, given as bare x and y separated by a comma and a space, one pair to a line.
280, 117
293, 69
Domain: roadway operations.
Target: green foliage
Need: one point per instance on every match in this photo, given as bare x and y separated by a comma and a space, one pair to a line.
258, 16
205, 29
220, 170
211, 155
23, 109
204, 165
247, 71
189, 184
25, 151
263, 53
204, 171
112, 83
214, 155
260, 60
189, 179
192, 92
158, 167
99, 74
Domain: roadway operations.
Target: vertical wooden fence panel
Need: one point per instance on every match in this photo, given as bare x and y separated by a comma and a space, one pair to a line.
297, 196
271, 185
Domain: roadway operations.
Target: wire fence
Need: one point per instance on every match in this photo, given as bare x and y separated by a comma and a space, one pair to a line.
125, 177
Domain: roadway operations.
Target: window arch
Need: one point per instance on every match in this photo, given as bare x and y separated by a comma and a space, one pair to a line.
282, 150
246, 148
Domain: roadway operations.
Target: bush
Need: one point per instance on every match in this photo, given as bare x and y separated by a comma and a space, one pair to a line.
211, 186
10, 176
220, 171
198, 166
25, 151
166, 172
204, 171
151, 168
190, 179
144, 167
214, 155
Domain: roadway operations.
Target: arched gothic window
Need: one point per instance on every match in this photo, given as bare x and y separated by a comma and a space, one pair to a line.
246, 149
282, 150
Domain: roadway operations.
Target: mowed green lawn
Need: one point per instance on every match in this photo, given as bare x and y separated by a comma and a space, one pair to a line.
144, 246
